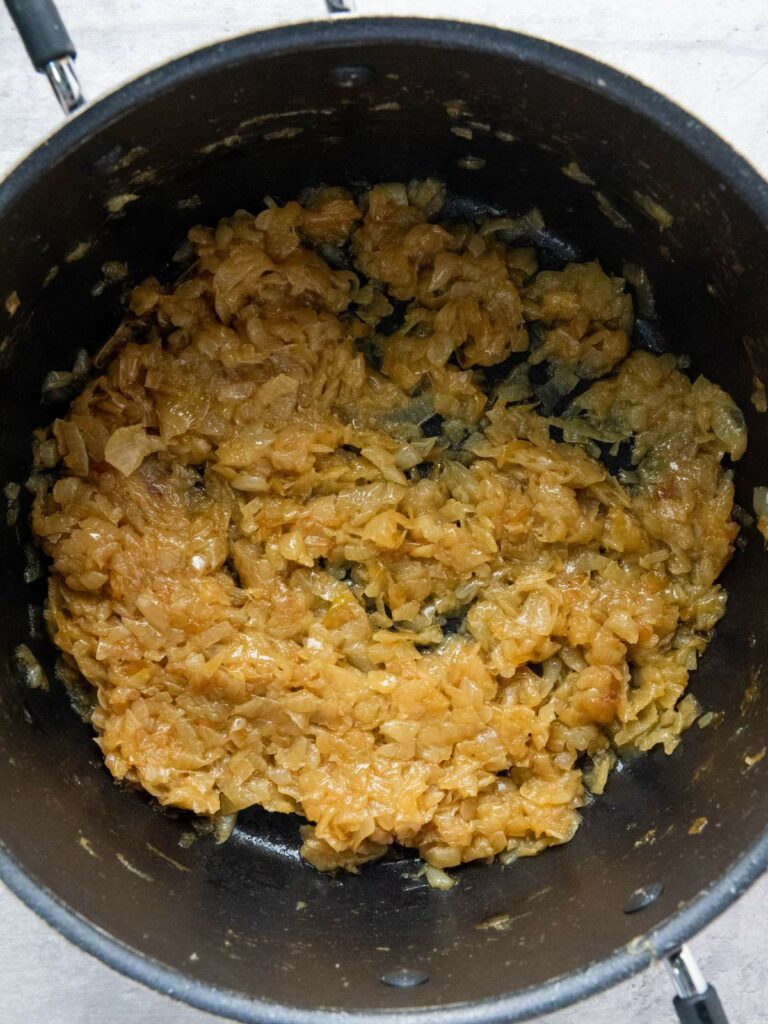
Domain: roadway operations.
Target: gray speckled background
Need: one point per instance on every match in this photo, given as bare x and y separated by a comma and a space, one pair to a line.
712, 57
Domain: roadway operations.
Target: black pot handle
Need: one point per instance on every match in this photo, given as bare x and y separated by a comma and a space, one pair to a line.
53, 53
49, 47
703, 1008
696, 1001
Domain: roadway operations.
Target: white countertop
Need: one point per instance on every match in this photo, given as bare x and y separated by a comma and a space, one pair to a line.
712, 58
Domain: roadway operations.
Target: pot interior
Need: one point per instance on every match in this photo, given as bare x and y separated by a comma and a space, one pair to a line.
496, 118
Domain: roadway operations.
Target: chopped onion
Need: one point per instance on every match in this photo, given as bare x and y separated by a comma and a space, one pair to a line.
728, 425
72, 445
223, 824
127, 448
468, 590
114, 270
37, 484
597, 776
33, 569
12, 492
515, 228
57, 380
437, 878
609, 210
251, 483
654, 210
758, 397
760, 502
742, 517
45, 451
128, 331
577, 430
628, 477
560, 384
517, 387
81, 366
31, 669
573, 171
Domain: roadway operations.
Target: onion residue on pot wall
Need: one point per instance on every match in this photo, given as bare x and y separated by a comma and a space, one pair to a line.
370, 519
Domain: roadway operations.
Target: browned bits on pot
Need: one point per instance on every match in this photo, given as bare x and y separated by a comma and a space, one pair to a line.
330, 533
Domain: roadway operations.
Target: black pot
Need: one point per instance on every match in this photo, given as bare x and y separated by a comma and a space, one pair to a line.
247, 929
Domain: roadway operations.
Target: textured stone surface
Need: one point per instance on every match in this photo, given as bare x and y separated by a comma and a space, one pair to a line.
710, 57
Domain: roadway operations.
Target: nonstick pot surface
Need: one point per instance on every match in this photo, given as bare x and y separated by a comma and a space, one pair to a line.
246, 928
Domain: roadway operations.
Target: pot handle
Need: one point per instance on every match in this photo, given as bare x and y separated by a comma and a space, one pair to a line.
53, 53
696, 1001
49, 47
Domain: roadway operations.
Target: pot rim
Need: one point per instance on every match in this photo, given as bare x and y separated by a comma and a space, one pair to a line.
740, 176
